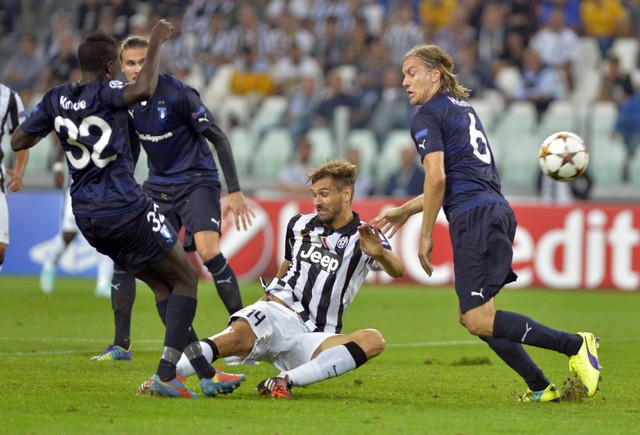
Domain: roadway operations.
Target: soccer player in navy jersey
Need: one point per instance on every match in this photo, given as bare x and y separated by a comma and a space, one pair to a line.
112, 211
173, 127
296, 326
461, 178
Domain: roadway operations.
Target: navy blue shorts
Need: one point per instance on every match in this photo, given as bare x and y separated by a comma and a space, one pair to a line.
196, 206
133, 240
482, 240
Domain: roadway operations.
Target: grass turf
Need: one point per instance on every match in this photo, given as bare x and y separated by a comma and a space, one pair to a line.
432, 378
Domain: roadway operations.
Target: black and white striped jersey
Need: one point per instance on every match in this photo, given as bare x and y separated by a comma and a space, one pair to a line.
326, 271
11, 112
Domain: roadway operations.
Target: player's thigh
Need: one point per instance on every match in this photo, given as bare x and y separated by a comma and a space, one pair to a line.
133, 240
200, 212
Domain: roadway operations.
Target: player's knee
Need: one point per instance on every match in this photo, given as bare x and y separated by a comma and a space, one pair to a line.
375, 343
476, 327
206, 253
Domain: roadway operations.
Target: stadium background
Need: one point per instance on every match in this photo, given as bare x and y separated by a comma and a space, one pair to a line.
588, 243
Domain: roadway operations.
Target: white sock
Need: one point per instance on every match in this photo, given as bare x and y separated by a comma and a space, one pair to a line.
184, 369
55, 251
329, 364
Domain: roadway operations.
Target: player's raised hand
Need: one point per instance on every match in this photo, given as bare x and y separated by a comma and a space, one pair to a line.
370, 242
162, 30
390, 220
242, 213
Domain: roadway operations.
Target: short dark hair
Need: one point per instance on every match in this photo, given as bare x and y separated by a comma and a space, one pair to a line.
96, 50
133, 41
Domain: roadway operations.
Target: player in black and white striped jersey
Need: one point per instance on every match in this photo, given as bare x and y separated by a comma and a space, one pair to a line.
296, 326
11, 115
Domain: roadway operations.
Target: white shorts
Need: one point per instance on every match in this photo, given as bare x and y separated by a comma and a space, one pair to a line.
282, 339
68, 222
4, 212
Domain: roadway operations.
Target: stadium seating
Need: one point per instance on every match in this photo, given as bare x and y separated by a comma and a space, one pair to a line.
365, 141
606, 153
272, 154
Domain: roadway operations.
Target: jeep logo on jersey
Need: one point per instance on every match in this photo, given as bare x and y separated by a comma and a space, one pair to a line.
320, 258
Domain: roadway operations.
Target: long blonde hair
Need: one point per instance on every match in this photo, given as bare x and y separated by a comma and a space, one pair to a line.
432, 56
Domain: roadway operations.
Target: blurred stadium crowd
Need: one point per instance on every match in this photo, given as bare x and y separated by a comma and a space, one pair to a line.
328, 72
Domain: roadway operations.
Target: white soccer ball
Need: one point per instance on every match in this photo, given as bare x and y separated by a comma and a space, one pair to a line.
563, 156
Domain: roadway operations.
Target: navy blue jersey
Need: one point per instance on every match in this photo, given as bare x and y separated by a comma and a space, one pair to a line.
449, 124
92, 125
170, 128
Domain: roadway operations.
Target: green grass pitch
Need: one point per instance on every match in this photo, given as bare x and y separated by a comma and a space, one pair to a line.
433, 377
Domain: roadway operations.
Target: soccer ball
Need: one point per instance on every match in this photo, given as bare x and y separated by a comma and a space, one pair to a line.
563, 156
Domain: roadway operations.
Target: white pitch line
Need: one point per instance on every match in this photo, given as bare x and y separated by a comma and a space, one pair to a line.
159, 342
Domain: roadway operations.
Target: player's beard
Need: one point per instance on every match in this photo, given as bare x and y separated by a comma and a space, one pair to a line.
329, 219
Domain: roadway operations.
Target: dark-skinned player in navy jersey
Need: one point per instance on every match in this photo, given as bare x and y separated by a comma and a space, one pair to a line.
112, 211
173, 127
461, 178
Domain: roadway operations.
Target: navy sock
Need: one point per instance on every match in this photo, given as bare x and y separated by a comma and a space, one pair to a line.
226, 282
514, 355
123, 295
522, 329
203, 369
180, 312
162, 309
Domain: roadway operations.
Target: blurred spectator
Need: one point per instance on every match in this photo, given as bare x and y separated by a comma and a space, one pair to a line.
289, 32
177, 52
212, 46
335, 97
122, 10
514, 46
24, 68
539, 83
288, 69
62, 66
402, 33
9, 12
197, 16
299, 9
408, 180
557, 45
139, 25
616, 83
330, 46
251, 74
392, 110
364, 182
604, 20
571, 9
370, 75
521, 17
491, 38
470, 75
357, 41
251, 32
457, 35
293, 178
435, 15
87, 16
301, 107
628, 127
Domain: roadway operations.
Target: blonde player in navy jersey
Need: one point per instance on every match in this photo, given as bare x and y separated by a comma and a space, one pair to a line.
461, 178
111, 209
297, 325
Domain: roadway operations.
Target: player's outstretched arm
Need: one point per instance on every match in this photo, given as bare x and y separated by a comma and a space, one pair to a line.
392, 219
371, 244
16, 174
145, 84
